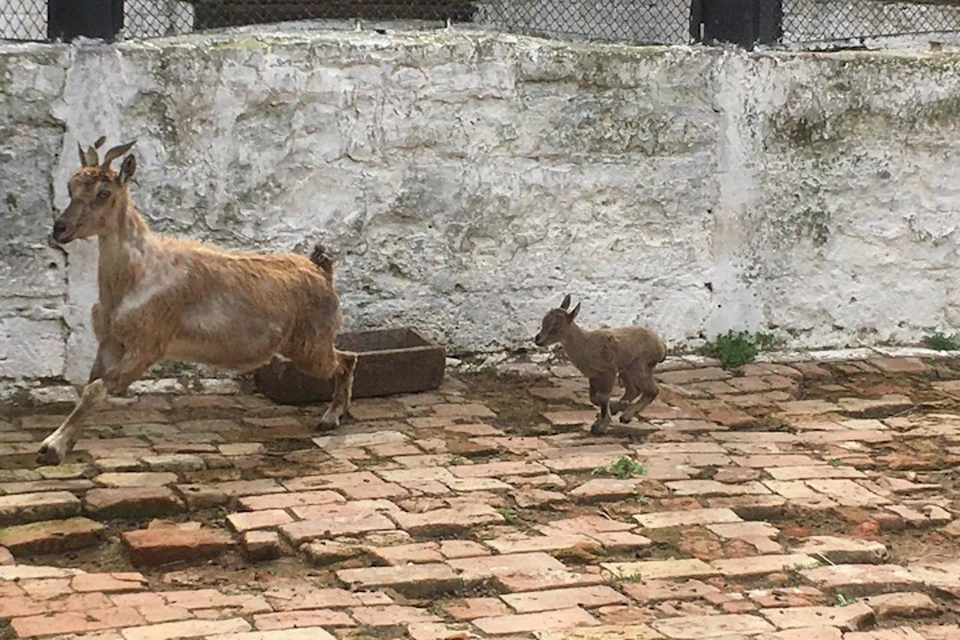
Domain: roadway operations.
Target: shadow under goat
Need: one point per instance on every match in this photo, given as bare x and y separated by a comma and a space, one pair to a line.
165, 298
604, 354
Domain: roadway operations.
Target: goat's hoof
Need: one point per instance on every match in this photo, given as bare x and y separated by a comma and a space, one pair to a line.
49, 456
625, 419
328, 422
599, 428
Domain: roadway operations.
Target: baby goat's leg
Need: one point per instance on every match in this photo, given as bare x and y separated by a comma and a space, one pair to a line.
342, 389
113, 371
630, 391
648, 393
321, 360
600, 389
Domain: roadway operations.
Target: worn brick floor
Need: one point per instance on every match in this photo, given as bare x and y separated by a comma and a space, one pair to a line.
804, 501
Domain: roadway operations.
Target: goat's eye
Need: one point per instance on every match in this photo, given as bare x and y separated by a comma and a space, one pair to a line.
103, 195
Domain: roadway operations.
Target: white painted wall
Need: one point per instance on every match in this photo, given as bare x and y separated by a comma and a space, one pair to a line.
466, 181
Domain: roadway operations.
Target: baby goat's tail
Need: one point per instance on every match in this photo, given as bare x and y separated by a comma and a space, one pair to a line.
322, 259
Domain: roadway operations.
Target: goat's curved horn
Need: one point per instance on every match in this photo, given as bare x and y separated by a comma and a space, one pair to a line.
83, 156
99, 142
116, 152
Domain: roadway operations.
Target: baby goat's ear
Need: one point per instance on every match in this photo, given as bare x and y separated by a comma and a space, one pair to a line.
573, 314
566, 302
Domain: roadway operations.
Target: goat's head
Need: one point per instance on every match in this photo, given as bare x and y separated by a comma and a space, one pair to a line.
554, 323
98, 194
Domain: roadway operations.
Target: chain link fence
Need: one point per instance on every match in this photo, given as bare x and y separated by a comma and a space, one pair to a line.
811, 21
627, 21
630, 21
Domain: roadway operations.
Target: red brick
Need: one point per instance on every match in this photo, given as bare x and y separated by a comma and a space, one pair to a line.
849, 618
346, 524
390, 615
557, 542
855, 580
129, 480
471, 608
415, 580
186, 629
303, 618
152, 547
446, 522
660, 590
705, 488
199, 599
108, 582
903, 605
306, 596
491, 469
204, 496
135, 503
529, 622
586, 597
659, 569
76, 622
606, 489
261, 545
265, 519
695, 627
52, 536
692, 517
761, 565
462, 549
287, 500
32, 507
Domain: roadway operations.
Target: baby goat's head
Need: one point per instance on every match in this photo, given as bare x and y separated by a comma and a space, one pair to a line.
556, 320
97, 194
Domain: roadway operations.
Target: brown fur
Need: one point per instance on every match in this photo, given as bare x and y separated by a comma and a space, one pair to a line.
172, 298
604, 354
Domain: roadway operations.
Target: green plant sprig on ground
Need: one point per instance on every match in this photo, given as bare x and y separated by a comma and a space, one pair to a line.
943, 342
624, 468
735, 348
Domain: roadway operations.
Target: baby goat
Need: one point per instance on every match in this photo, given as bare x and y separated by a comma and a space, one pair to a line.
168, 298
602, 355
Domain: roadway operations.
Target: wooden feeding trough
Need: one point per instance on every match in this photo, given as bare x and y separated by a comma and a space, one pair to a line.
389, 361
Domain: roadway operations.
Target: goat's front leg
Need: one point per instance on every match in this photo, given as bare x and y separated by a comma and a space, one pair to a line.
600, 389
113, 371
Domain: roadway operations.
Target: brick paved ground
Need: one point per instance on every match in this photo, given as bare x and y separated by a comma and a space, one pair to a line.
809, 501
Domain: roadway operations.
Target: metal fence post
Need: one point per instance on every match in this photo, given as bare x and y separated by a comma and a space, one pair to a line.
68, 19
742, 22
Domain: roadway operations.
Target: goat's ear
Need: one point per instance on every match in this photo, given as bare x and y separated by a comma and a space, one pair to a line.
128, 168
566, 302
573, 314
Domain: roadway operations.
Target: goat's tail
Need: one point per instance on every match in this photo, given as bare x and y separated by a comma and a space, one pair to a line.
322, 259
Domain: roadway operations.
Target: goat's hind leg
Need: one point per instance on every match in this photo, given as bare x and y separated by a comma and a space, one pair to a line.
600, 389
630, 391
342, 390
321, 360
649, 390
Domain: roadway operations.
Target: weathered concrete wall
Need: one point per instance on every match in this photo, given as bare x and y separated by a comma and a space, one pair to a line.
465, 181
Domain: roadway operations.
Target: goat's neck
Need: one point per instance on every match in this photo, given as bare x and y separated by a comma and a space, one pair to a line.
574, 341
122, 253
